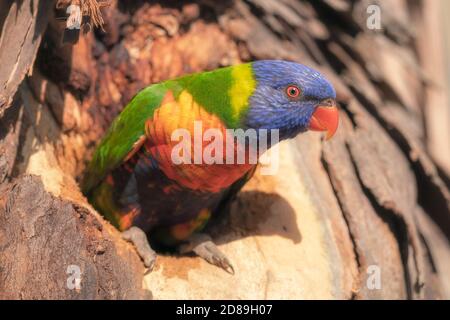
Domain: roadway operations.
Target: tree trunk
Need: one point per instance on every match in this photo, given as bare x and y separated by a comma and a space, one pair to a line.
365, 215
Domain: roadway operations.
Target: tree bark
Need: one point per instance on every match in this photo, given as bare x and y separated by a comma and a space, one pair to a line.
363, 216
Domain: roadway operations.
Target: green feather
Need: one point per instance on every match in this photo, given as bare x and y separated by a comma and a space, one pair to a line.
125, 130
223, 92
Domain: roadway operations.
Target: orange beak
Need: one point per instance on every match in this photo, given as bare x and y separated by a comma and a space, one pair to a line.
325, 118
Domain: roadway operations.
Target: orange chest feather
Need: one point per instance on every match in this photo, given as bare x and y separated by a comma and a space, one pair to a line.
173, 137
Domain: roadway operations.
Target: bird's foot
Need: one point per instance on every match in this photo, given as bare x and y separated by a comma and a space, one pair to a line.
138, 237
201, 244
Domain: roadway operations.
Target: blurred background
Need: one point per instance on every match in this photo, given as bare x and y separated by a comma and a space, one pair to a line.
437, 62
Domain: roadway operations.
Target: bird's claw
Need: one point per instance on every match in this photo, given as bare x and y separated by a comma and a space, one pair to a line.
209, 251
139, 239
202, 246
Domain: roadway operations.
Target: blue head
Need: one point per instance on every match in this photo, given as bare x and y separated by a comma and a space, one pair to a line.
286, 97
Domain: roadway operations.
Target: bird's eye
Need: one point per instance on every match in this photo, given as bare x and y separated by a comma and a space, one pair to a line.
293, 92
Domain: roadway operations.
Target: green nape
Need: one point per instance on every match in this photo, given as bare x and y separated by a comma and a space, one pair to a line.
224, 92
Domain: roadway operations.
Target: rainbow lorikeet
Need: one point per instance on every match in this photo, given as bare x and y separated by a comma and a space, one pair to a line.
134, 181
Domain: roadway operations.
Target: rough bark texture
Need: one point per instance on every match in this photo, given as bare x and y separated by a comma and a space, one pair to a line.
373, 198
46, 235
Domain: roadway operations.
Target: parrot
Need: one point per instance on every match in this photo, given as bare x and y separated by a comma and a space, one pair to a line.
134, 182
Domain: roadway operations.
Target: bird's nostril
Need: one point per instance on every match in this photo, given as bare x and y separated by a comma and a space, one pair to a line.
328, 102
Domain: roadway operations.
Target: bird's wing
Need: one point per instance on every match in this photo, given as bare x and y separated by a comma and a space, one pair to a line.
125, 136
